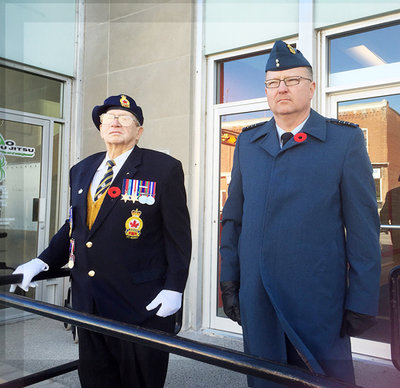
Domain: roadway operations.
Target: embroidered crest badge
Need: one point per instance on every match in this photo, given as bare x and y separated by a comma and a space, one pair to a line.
134, 225
124, 102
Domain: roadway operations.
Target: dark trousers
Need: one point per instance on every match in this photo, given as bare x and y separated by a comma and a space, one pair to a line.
106, 361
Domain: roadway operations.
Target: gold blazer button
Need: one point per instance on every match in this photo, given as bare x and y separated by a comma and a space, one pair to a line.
89, 244
91, 273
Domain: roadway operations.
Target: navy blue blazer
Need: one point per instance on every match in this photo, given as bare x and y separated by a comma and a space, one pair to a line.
114, 274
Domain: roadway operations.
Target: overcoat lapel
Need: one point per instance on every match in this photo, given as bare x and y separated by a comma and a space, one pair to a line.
84, 182
265, 137
315, 126
127, 171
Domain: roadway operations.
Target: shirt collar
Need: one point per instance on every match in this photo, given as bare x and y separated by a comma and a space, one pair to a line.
281, 131
119, 160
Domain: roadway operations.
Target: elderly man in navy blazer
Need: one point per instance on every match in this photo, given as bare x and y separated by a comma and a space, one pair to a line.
128, 244
300, 239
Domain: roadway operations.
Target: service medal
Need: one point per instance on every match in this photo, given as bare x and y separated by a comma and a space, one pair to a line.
71, 260
70, 221
139, 190
134, 225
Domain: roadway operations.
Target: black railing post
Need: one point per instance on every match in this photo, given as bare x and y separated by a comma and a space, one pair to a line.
394, 287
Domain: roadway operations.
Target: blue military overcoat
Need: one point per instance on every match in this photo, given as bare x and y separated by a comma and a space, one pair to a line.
301, 234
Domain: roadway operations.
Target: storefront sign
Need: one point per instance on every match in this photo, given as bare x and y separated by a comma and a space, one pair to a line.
3, 164
8, 147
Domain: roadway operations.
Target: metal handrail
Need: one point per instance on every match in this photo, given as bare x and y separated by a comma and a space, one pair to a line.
17, 278
37, 377
211, 354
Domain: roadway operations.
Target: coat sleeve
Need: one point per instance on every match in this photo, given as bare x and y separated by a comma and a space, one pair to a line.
361, 220
176, 230
386, 211
232, 223
57, 253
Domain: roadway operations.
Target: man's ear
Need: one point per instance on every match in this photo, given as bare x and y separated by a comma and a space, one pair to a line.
139, 134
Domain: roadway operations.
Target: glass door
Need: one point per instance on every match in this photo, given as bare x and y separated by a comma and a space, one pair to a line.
229, 121
378, 115
24, 172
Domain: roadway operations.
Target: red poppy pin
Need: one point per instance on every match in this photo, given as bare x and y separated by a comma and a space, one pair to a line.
114, 192
300, 137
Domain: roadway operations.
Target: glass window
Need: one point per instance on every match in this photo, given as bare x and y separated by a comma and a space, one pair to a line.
379, 117
241, 78
20, 178
31, 93
363, 56
230, 127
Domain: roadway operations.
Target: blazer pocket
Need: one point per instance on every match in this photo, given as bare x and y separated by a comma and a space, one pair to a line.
149, 274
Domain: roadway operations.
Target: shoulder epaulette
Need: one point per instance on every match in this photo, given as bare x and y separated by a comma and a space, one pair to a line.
342, 122
252, 126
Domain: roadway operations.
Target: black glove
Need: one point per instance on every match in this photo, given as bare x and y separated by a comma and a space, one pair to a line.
354, 324
230, 300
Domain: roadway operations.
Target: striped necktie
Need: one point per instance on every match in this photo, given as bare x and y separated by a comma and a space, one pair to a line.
106, 181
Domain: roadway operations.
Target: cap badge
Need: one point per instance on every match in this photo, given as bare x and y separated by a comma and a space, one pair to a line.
124, 102
291, 49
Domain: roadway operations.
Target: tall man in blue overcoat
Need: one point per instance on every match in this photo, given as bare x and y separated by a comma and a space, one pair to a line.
128, 244
300, 239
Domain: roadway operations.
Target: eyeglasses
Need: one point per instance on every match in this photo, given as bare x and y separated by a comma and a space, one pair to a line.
289, 81
125, 121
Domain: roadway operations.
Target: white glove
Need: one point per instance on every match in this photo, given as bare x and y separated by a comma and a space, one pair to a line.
170, 301
29, 270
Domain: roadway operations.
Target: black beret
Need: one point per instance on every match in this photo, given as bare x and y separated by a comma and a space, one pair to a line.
121, 101
283, 57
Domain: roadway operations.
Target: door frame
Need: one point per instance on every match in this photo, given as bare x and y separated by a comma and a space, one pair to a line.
211, 208
45, 169
47, 124
363, 346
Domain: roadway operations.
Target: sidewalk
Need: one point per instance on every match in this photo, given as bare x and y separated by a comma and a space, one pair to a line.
40, 343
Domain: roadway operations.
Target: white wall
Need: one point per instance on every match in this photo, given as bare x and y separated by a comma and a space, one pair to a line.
39, 33
332, 12
231, 24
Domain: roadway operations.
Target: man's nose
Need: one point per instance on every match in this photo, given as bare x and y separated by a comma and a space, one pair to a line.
282, 86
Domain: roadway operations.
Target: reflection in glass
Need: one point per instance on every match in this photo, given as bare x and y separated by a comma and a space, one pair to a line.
379, 118
19, 186
362, 56
230, 128
241, 78
31, 93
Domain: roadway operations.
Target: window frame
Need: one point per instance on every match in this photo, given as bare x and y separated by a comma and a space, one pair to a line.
324, 91
69, 144
327, 100
214, 111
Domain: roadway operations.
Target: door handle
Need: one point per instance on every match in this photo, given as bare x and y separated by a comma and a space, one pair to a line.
38, 209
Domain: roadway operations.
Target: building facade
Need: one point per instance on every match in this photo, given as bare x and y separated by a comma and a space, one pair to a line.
197, 70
